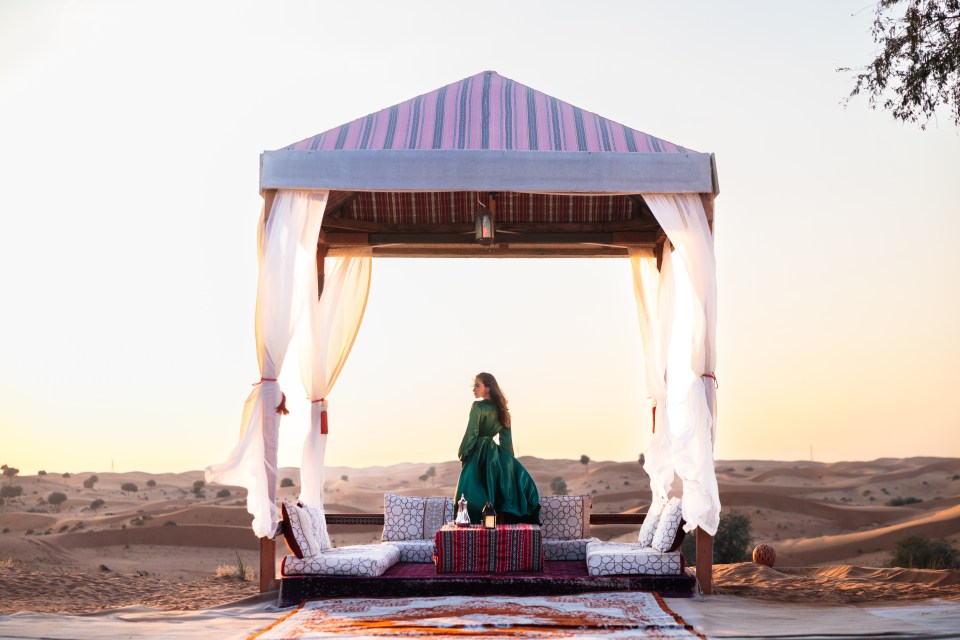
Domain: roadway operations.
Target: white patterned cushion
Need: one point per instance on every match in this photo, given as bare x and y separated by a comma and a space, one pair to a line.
305, 529
566, 549
420, 551
359, 560
614, 558
413, 517
565, 517
650, 522
669, 524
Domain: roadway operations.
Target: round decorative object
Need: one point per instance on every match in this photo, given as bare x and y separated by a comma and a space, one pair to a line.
764, 554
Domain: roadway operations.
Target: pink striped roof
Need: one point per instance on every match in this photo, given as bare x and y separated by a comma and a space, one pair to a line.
486, 111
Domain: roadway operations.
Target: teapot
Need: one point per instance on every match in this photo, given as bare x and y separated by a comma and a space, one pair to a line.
463, 516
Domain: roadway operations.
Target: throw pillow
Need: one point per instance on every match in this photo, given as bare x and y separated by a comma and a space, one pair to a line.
565, 517
650, 522
294, 532
669, 524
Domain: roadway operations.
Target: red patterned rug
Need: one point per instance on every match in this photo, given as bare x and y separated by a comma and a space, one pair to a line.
604, 615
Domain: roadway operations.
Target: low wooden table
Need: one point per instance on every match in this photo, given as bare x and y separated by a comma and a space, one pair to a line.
510, 548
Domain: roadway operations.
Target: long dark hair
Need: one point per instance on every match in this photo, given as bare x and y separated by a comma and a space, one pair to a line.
497, 397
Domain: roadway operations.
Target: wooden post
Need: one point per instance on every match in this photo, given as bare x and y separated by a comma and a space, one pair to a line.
268, 197
705, 561
268, 566
321, 261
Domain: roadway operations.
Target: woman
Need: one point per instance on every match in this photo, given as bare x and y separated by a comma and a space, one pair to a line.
489, 472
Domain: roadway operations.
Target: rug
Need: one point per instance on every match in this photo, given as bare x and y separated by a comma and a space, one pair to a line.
588, 615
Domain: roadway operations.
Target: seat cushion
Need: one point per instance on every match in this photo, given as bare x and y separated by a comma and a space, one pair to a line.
615, 558
566, 549
359, 560
415, 550
565, 517
413, 517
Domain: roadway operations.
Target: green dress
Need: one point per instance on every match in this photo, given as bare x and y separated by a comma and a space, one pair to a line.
490, 473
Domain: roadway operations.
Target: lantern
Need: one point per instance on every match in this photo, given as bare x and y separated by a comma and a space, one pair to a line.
489, 516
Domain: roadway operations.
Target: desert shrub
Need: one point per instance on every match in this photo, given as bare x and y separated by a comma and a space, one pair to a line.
748, 468
286, 482
151, 483
731, 544
223, 493
558, 486
899, 502
917, 552
41, 472
89, 482
3, 501
344, 478
584, 460
642, 460
6, 529
239, 571
66, 475
956, 476
11, 491
56, 499
170, 523
64, 528
129, 487
96, 504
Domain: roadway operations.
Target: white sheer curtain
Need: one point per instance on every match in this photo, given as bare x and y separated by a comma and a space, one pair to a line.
333, 323
690, 420
287, 256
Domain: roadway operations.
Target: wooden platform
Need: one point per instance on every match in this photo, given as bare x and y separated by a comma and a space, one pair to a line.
411, 579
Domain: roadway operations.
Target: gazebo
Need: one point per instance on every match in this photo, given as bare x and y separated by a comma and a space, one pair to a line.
484, 168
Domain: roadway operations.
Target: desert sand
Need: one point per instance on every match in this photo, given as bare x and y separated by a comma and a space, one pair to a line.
163, 545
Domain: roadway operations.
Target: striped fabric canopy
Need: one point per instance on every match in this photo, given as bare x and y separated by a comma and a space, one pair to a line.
485, 111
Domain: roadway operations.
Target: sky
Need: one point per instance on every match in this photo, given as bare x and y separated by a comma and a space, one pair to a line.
131, 133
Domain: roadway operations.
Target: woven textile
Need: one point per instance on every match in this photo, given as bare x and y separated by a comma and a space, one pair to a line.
506, 549
614, 558
587, 615
486, 111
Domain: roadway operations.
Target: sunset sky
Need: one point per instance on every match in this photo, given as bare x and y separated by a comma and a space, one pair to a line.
131, 135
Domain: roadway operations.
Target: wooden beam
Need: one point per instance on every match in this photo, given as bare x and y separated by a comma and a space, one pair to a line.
495, 251
268, 564
617, 238
346, 224
705, 561
342, 206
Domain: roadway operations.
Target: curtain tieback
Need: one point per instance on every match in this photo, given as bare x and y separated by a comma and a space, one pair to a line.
711, 375
323, 415
264, 380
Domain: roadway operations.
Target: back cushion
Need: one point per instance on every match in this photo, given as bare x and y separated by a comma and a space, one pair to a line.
565, 517
413, 517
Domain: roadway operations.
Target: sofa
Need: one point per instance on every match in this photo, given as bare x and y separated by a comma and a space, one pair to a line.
410, 525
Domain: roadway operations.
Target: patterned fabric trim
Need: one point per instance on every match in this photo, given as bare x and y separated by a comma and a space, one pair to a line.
565, 517
650, 522
360, 560
419, 551
486, 111
566, 549
669, 524
612, 558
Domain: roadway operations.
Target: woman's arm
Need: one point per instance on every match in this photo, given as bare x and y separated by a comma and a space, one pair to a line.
473, 432
506, 440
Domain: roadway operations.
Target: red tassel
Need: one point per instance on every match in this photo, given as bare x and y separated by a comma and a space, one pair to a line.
282, 407
654, 418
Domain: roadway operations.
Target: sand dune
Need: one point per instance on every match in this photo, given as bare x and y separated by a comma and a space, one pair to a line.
166, 540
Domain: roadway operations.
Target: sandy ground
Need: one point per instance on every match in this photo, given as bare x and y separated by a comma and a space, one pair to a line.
157, 551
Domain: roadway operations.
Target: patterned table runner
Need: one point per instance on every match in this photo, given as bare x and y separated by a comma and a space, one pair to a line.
507, 549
